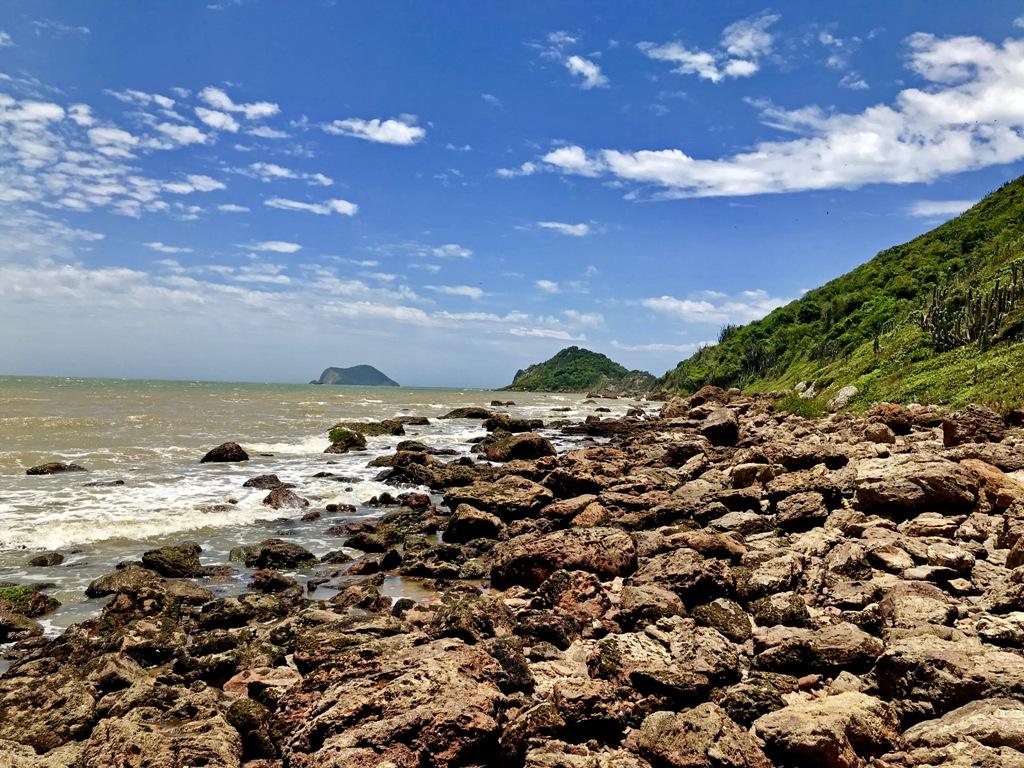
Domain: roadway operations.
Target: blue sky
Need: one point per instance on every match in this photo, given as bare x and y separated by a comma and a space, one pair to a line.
246, 189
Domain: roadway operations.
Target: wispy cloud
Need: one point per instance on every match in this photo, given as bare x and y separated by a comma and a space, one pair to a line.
452, 250
327, 207
468, 291
219, 100
573, 230
929, 209
548, 286
163, 248
712, 307
274, 246
588, 71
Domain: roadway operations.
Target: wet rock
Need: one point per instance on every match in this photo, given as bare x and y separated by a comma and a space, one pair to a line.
527, 446
841, 731
225, 452
44, 712
266, 483
46, 560
54, 468
721, 427
470, 412
176, 562
28, 601
701, 737
974, 424
253, 722
344, 440
276, 553
531, 558
14, 626
502, 421
341, 432
284, 498
469, 523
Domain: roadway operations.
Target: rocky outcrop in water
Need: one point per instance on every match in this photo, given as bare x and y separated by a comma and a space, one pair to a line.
723, 585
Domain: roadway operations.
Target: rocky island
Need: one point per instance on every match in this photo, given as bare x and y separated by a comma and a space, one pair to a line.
357, 375
720, 583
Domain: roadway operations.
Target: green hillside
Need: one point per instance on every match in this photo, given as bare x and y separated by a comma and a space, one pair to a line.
938, 319
579, 370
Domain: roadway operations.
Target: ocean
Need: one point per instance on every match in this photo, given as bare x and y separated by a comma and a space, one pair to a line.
152, 434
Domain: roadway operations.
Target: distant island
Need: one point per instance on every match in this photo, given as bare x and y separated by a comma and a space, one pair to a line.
579, 370
357, 375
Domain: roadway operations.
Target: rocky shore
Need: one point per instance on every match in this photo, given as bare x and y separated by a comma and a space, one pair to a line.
718, 585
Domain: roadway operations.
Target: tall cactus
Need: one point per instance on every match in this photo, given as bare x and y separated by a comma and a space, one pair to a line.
979, 319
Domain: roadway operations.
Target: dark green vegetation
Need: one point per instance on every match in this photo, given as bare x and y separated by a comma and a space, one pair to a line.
357, 375
579, 370
938, 319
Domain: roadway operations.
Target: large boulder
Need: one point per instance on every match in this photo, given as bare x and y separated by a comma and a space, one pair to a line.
974, 424
531, 558
721, 427
510, 497
225, 452
527, 446
54, 468
507, 423
175, 562
276, 553
344, 440
468, 523
469, 412
701, 737
367, 428
908, 485
992, 722
841, 731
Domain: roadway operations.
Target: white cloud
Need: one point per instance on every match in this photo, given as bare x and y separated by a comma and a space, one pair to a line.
548, 286
526, 169
452, 250
219, 100
742, 46
1019, 22
469, 291
573, 230
344, 207
491, 99
402, 131
573, 159
142, 99
5, 40
268, 172
939, 208
712, 307
232, 208
183, 134
162, 248
275, 246
546, 333
222, 121
854, 82
589, 72
266, 132
970, 116
194, 183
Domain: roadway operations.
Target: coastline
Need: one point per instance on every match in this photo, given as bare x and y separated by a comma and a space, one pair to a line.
716, 572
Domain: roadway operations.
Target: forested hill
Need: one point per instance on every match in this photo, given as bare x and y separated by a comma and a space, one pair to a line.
938, 319
579, 370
